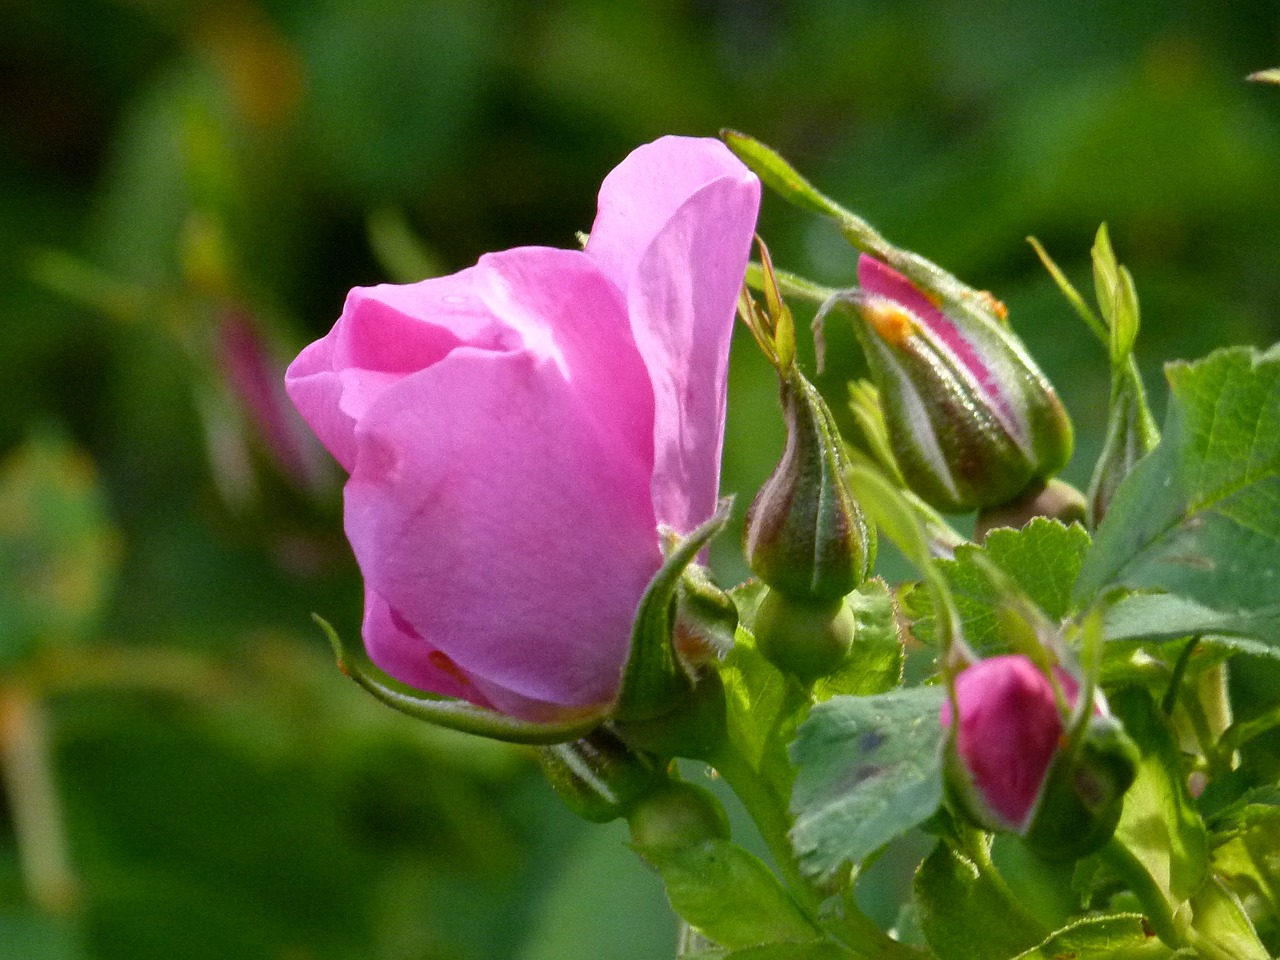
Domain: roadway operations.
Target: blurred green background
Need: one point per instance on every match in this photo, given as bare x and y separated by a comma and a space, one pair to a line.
187, 190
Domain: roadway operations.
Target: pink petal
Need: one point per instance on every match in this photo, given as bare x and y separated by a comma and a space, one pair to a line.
674, 231
384, 333
394, 645
498, 502
1009, 732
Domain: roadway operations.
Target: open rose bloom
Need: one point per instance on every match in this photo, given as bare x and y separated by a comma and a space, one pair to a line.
516, 432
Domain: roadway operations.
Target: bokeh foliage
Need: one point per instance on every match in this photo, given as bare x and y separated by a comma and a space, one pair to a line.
188, 188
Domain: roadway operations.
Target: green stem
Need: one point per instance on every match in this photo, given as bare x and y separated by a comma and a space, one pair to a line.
1154, 903
769, 811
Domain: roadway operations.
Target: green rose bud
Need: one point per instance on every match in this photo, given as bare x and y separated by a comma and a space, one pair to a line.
972, 419
599, 777
805, 534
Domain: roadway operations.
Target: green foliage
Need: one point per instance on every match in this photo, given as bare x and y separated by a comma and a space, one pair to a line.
1159, 824
729, 895
58, 550
966, 912
1113, 937
1042, 559
1197, 518
868, 769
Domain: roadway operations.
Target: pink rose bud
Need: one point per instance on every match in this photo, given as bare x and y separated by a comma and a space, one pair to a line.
516, 432
974, 422
1015, 768
1010, 730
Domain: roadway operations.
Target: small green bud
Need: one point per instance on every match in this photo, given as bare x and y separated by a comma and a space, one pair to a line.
972, 419
675, 817
805, 534
599, 777
810, 640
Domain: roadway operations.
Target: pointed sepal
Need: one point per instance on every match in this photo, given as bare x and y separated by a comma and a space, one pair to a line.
458, 715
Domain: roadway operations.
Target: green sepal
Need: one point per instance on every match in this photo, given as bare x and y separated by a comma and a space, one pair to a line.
599, 777
654, 679
459, 715
778, 175
1083, 793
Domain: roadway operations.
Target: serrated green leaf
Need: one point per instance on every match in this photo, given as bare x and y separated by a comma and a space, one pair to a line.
965, 914
1246, 845
1115, 937
867, 770
1043, 559
729, 896
1159, 824
1200, 516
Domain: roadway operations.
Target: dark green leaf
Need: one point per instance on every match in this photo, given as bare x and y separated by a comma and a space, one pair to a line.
730, 896
966, 914
1166, 616
1043, 559
1198, 517
867, 769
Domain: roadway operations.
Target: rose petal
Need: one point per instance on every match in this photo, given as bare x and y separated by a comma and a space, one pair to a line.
498, 510
384, 333
674, 231
646, 189
399, 650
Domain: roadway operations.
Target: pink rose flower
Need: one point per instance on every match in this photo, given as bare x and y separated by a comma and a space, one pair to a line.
516, 432
1010, 730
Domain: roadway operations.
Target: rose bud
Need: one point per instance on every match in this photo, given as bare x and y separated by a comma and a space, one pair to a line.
805, 535
1009, 763
516, 433
972, 419
599, 777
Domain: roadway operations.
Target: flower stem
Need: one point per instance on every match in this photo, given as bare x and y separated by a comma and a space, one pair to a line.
1154, 903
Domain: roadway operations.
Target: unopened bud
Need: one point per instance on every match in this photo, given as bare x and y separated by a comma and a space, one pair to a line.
805, 534
599, 777
676, 817
972, 419
1013, 768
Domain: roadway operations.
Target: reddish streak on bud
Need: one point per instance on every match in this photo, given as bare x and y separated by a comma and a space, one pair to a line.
254, 377
882, 280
